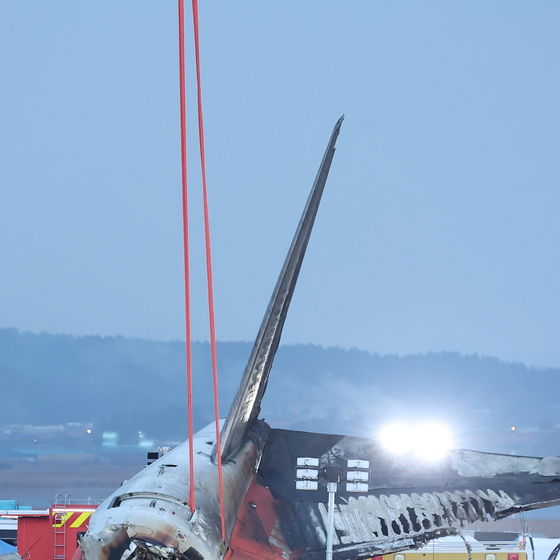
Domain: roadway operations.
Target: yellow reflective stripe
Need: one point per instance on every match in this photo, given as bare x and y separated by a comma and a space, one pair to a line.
81, 519
62, 519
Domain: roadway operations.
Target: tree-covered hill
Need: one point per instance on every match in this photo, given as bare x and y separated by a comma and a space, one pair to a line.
129, 384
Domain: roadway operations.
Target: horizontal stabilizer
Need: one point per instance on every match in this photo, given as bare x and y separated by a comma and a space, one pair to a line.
404, 503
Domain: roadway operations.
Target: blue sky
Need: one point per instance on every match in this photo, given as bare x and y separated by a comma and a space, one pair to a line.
438, 229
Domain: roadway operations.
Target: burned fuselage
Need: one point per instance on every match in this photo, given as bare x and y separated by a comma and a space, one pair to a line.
149, 514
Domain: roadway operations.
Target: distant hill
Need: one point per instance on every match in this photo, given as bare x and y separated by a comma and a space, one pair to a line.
129, 384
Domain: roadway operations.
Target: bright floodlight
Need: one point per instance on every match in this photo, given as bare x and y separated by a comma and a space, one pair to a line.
429, 442
432, 442
396, 438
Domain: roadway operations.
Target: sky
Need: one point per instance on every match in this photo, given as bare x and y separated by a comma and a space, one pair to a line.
438, 228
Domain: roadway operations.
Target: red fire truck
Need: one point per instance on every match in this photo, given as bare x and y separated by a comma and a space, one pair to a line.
52, 534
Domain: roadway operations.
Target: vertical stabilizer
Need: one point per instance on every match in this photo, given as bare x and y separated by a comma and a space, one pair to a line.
246, 405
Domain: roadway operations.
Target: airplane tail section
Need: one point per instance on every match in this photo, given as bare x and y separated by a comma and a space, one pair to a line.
246, 405
405, 502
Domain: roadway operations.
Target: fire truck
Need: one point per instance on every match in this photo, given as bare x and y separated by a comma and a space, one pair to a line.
50, 534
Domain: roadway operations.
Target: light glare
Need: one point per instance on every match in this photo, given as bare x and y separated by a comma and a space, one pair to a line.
429, 441
433, 442
396, 438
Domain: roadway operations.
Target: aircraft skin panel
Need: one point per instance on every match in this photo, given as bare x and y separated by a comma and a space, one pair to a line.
246, 404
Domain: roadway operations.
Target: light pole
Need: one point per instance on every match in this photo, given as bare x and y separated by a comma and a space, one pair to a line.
308, 474
332, 476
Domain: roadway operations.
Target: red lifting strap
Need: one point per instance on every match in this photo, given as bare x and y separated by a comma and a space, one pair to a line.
208, 265
182, 105
208, 256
